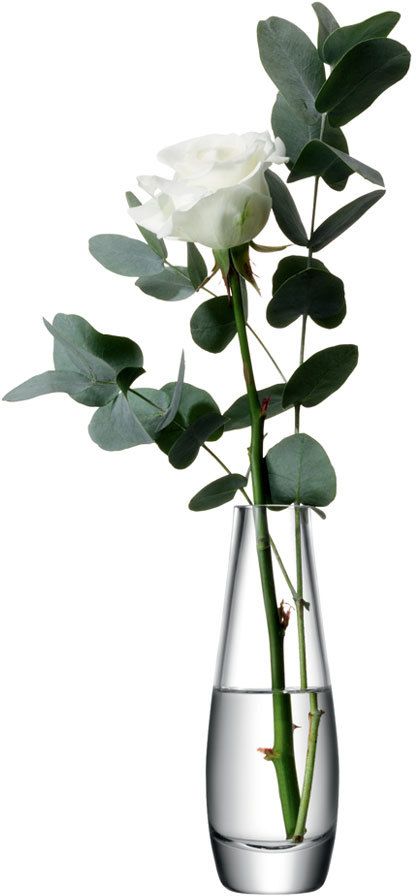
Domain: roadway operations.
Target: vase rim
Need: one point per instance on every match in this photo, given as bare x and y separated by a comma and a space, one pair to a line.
302, 507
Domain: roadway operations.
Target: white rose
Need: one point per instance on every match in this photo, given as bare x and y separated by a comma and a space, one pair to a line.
218, 196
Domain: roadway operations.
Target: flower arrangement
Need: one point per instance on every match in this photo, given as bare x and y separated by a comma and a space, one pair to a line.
220, 196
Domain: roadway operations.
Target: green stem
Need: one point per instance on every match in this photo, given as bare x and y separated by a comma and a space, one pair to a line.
300, 607
314, 712
314, 719
264, 347
282, 754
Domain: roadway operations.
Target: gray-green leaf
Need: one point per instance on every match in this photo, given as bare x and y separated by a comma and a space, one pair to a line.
186, 448
300, 472
219, 492
312, 291
194, 403
360, 77
122, 255
80, 348
238, 414
197, 269
170, 285
293, 64
213, 324
327, 24
173, 408
343, 39
68, 381
115, 427
342, 219
152, 240
317, 159
320, 376
285, 210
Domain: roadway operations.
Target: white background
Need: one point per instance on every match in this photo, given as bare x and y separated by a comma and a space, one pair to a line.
112, 589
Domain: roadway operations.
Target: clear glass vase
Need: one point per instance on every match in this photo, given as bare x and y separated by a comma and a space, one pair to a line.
272, 761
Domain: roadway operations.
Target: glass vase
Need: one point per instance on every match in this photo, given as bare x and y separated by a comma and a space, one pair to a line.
272, 761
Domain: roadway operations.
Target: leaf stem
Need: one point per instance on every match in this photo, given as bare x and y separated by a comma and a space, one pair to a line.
260, 341
227, 470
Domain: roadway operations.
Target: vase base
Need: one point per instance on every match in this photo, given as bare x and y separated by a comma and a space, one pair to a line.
282, 868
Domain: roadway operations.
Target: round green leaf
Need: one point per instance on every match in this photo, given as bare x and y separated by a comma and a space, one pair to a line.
213, 324
219, 492
300, 472
320, 376
314, 292
360, 77
125, 256
115, 427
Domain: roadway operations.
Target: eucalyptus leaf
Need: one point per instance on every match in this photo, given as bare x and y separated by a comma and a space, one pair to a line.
320, 376
171, 285
317, 158
296, 134
342, 219
80, 348
218, 492
360, 77
238, 414
68, 381
327, 24
317, 293
122, 255
285, 210
292, 62
149, 406
343, 39
158, 246
300, 472
173, 408
127, 376
194, 403
186, 448
197, 269
293, 130
291, 265
213, 324
115, 427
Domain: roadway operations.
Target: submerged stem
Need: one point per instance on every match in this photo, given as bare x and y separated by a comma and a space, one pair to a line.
314, 719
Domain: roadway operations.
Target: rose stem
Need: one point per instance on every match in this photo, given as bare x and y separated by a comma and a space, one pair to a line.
282, 755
